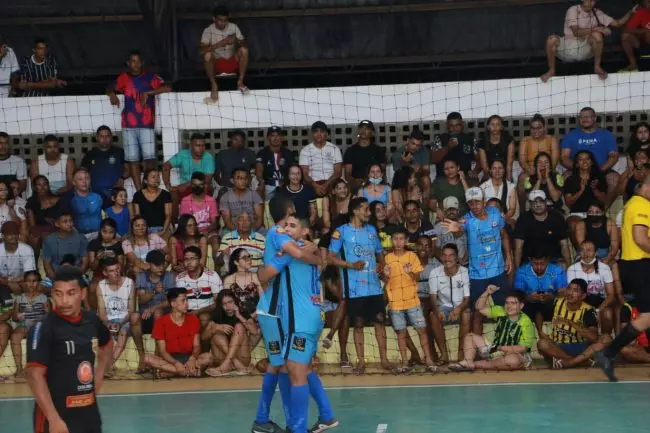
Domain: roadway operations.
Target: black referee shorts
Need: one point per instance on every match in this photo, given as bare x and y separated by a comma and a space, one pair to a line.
634, 277
83, 420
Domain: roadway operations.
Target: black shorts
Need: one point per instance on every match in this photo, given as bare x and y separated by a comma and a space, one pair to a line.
83, 420
635, 282
368, 309
147, 325
544, 308
181, 357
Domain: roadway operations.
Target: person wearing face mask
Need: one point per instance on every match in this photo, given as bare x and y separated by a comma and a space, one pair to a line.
601, 231
637, 169
376, 189
360, 156
601, 288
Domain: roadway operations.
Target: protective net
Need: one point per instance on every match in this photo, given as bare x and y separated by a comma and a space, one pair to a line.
381, 287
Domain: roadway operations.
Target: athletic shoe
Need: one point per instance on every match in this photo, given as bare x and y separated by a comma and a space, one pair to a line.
557, 364
606, 364
321, 425
268, 427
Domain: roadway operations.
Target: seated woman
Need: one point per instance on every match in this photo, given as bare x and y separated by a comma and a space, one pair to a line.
546, 179
601, 292
585, 185
637, 169
379, 219
30, 307
232, 332
154, 204
601, 231
42, 211
9, 210
405, 187
137, 245
187, 234
496, 144
335, 204
243, 283
498, 187
640, 139
530, 147
105, 245
376, 188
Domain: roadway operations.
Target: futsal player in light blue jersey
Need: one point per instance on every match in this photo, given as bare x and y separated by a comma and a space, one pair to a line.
488, 246
269, 309
303, 320
356, 248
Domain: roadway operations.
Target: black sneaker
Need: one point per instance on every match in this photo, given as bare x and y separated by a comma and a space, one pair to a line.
269, 427
321, 425
606, 364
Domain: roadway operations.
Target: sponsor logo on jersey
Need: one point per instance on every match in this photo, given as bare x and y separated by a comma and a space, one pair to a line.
85, 373
336, 234
299, 344
83, 400
274, 347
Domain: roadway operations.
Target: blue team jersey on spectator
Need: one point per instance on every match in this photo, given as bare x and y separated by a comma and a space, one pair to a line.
122, 219
551, 281
86, 211
600, 143
484, 244
276, 238
301, 313
353, 245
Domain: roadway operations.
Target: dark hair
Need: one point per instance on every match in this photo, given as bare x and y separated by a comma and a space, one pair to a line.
197, 175
4, 134
138, 218
235, 170
373, 212
288, 169
32, 272
64, 212
193, 249
595, 169
330, 275
36, 179
541, 154
451, 246
174, 293
10, 195
599, 204
454, 115
39, 40
278, 207
491, 118
355, 204
234, 257
502, 206
68, 259
107, 222
580, 283
408, 202
538, 118
499, 160
219, 314
147, 172
587, 109
518, 294
116, 191
401, 177
197, 136
539, 252
103, 128
70, 274
134, 53
399, 231
220, 11
181, 228
339, 181
109, 261
50, 137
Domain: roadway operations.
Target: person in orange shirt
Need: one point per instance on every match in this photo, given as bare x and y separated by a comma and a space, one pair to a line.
401, 271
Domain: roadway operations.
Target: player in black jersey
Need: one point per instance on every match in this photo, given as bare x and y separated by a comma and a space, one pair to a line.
61, 362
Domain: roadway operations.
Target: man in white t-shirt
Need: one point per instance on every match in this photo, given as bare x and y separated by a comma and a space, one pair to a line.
449, 291
8, 67
11, 166
585, 29
321, 161
224, 51
202, 285
16, 258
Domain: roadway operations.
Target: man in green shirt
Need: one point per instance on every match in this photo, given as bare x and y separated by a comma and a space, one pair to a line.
514, 336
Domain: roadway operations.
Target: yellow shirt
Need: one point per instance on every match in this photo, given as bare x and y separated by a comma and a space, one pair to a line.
636, 212
401, 288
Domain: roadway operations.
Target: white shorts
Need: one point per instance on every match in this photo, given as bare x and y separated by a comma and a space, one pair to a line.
574, 50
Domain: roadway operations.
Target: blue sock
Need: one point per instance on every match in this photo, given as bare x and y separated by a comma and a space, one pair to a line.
285, 392
316, 390
299, 408
269, 382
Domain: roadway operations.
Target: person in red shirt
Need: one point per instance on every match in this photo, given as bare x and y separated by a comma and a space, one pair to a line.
637, 31
177, 340
139, 88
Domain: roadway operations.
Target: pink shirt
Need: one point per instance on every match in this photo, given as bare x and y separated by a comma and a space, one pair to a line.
204, 212
141, 251
576, 16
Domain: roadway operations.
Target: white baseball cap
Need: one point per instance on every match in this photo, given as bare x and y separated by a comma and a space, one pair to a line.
450, 202
535, 194
474, 193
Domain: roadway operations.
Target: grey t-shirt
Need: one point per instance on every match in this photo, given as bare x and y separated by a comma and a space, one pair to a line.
423, 283
236, 205
55, 247
420, 157
229, 159
444, 237
143, 282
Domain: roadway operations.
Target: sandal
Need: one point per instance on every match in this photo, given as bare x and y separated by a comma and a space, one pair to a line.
431, 368
401, 370
458, 367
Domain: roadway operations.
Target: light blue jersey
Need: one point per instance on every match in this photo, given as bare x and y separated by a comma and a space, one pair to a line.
276, 239
484, 244
551, 281
353, 245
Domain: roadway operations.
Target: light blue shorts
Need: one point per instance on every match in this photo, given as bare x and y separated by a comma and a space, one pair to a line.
139, 142
301, 347
400, 319
273, 336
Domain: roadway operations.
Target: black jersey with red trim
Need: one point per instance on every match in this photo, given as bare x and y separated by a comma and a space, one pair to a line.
63, 346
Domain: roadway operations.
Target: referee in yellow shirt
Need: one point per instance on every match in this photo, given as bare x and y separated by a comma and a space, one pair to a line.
634, 267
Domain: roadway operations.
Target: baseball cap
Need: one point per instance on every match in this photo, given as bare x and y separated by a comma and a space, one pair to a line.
319, 125
10, 228
273, 129
474, 193
535, 194
367, 123
416, 134
155, 257
450, 202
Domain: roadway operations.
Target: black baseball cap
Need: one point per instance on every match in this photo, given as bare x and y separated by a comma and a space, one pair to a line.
367, 123
155, 257
416, 134
273, 129
319, 125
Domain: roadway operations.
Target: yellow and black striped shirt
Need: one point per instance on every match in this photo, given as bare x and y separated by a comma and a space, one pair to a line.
585, 316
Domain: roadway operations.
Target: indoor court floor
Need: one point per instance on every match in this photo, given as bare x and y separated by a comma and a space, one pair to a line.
519, 402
